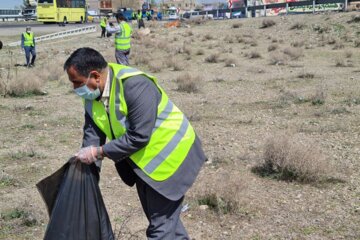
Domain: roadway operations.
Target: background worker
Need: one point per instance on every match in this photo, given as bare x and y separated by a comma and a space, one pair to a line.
151, 142
140, 20
103, 24
122, 39
148, 14
134, 15
28, 44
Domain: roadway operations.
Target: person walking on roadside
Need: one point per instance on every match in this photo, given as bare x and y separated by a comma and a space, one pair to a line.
151, 142
122, 39
28, 44
140, 20
103, 24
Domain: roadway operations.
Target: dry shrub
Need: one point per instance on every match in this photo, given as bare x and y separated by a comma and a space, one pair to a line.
306, 75
348, 54
188, 83
228, 39
155, 66
175, 65
321, 29
341, 62
252, 42
319, 97
277, 59
331, 41
253, 54
293, 53
21, 84
338, 45
213, 58
354, 19
52, 72
298, 43
208, 37
267, 23
148, 43
297, 26
230, 62
293, 159
224, 195
196, 21
272, 47
357, 43
236, 25
200, 52
187, 49
141, 59
188, 33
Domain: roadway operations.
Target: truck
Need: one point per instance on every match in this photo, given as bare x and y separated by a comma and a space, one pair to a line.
29, 10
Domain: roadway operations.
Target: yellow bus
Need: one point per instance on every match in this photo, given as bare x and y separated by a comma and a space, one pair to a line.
61, 11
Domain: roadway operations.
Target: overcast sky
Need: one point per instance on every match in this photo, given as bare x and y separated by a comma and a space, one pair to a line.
10, 3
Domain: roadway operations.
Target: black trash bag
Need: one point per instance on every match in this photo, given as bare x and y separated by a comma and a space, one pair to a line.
75, 205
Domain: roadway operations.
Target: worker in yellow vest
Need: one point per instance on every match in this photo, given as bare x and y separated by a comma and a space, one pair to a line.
140, 19
28, 44
122, 39
150, 141
103, 24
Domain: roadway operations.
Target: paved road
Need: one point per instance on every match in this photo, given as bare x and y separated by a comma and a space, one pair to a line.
8, 29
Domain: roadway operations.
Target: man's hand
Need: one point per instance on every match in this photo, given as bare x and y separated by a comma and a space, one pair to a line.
87, 155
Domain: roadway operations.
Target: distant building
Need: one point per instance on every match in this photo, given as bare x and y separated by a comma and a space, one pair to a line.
112, 6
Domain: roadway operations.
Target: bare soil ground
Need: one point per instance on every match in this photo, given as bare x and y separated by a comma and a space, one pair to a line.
299, 77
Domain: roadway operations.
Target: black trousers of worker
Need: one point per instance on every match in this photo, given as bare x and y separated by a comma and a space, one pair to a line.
103, 31
162, 213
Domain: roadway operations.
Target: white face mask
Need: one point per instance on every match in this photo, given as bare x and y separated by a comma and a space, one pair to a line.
86, 93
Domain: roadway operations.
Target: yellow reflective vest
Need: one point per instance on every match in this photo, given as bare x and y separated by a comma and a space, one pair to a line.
122, 40
172, 135
28, 39
103, 22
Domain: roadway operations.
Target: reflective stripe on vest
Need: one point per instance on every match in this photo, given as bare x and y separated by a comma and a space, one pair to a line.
28, 39
172, 135
122, 41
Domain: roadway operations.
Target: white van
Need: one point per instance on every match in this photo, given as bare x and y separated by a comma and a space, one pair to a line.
173, 14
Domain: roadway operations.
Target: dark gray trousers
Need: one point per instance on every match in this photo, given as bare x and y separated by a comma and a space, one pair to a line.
122, 57
162, 213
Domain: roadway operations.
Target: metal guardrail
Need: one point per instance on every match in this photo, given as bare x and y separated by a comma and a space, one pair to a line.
71, 32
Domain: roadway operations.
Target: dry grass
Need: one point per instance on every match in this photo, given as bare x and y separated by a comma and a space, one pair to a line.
200, 52
266, 23
306, 75
294, 159
236, 25
297, 26
298, 44
156, 66
21, 84
277, 58
187, 83
293, 53
213, 58
253, 54
319, 97
230, 62
226, 197
272, 47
